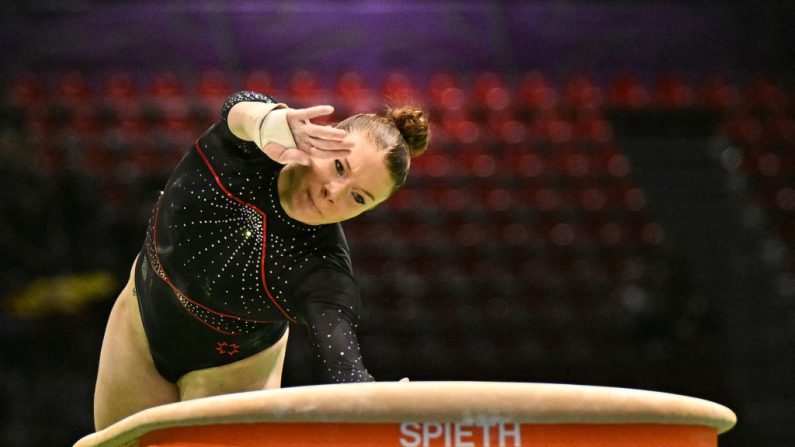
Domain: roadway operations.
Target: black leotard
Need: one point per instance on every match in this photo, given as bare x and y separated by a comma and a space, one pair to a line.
224, 269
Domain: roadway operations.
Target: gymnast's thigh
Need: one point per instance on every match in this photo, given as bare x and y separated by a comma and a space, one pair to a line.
127, 381
260, 371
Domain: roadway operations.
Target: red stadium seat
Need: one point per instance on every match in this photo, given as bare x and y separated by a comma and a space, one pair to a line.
535, 92
99, 159
83, 119
468, 132
547, 200
398, 88
353, 95
763, 92
571, 163
552, 128
165, 91
119, 89
499, 199
434, 164
671, 91
635, 200
717, 92
592, 127
491, 91
564, 234
611, 234
73, 88
212, 89
581, 92
652, 234
478, 164
445, 93
131, 121
617, 166
768, 165
506, 129
261, 82
593, 199
179, 120
626, 91
306, 90
27, 90
528, 165
452, 199
166, 87
779, 128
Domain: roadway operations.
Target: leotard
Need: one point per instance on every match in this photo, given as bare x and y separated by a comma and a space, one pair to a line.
224, 269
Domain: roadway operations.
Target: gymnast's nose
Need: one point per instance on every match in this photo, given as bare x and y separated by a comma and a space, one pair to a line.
333, 190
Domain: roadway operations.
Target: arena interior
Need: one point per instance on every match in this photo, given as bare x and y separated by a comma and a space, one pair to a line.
608, 197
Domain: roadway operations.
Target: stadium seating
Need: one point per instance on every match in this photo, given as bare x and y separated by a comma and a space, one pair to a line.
523, 212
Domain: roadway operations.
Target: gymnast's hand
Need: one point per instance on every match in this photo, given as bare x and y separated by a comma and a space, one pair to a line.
314, 140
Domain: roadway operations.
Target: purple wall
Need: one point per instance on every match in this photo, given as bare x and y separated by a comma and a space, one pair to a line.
371, 35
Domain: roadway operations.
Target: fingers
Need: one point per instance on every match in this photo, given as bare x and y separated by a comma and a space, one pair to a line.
324, 153
312, 112
303, 157
318, 140
284, 155
329, 145
325, 132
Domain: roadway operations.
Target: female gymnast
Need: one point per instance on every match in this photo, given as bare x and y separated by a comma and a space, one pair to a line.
244, 239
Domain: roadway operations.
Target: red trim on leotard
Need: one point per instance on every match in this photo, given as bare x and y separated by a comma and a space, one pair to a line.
264, 227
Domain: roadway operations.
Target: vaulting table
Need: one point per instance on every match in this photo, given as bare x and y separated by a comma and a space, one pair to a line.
427, 414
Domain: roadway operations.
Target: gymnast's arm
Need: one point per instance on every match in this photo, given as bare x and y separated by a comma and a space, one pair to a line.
331, 304
283, 134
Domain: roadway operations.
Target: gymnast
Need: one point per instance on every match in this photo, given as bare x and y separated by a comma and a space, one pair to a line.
245, 239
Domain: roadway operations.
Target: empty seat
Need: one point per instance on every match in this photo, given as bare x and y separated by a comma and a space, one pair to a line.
445, 93
717, 92
119, 88
305, 89
762, 92
491, 91
592, 127
399, 88
581, 92
261, 81
534, 92
506, 129
353, 94
166, 87
552, 127
626, 91
74, 88
84, 120
212, 89
671, 91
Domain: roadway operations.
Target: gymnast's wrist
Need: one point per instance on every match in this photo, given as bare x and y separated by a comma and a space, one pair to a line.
275, 129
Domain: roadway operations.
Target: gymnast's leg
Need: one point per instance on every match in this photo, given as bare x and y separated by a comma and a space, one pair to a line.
127, 381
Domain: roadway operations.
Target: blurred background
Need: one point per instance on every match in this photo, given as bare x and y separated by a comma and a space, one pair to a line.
608, 198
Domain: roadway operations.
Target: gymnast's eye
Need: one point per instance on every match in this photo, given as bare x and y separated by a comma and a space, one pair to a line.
338, 165
358, 198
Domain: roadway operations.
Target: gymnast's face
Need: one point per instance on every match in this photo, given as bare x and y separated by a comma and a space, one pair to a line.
336, 189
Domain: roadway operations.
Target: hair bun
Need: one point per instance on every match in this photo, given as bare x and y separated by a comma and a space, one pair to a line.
413, 126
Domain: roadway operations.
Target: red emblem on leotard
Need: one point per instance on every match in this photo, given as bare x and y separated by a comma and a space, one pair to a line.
225, 348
